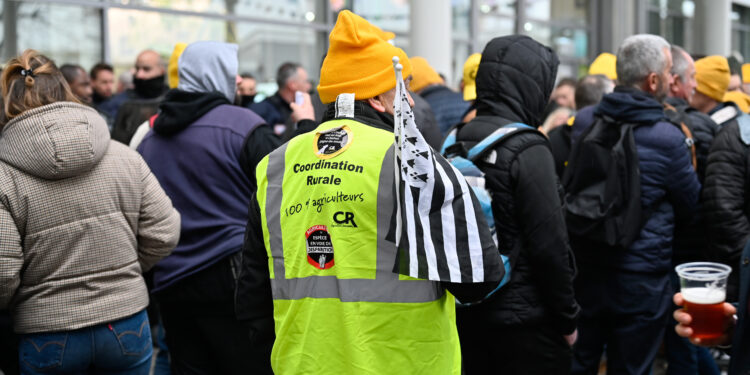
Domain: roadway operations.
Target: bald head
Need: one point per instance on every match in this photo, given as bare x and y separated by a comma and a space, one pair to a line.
149, 65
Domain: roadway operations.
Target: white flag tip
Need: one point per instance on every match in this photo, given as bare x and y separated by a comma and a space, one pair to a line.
395, 60
399, 67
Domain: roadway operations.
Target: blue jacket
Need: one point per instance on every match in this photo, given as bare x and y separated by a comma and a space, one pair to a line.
669, 184
200, 169
274, 110
740, 363
449, 106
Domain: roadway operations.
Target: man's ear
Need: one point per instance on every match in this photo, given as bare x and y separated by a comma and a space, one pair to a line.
652, 83
376, 103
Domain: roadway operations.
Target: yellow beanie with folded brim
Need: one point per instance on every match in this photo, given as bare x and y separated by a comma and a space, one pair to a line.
471, 65
712, 75
173, 75
740, 98
606, 64
359, 60
423, 74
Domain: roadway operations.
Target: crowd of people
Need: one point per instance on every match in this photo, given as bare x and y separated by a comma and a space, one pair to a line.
170, 223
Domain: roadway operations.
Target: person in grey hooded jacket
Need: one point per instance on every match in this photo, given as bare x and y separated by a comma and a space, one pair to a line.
203, 150
81, 217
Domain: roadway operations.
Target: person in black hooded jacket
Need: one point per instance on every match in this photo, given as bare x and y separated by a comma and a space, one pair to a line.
529, 325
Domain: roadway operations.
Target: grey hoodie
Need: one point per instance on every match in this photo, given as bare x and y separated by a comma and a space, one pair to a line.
81, 216
209, 66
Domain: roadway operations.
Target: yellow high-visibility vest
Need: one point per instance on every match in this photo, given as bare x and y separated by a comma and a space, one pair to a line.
327, 201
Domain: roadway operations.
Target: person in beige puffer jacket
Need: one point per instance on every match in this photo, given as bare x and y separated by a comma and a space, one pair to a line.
81, 218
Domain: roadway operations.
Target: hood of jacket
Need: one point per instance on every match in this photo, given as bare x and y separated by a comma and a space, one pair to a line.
55, 141
209, 66
515, 79
631, 105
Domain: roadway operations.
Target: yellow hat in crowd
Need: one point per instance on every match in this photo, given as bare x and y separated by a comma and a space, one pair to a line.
173, 76
712, 75
746, 73
738, 97
359, 60
470, 76
606, 64
423, 75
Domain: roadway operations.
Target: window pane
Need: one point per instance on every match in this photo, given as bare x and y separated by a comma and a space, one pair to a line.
389, 15
164, 30
568, 11
567, 42
263, 48
492, 27
654, 23
498, 7
282, 10
461, 18
67, 34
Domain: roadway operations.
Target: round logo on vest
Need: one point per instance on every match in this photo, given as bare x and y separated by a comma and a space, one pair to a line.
332, 142
319, 247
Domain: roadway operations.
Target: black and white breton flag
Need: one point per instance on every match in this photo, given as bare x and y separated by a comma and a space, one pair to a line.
441, 232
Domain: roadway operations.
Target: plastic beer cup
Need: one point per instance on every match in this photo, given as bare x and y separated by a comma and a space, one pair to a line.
703, 286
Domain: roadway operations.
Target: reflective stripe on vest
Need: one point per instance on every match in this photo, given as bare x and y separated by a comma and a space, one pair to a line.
385, 286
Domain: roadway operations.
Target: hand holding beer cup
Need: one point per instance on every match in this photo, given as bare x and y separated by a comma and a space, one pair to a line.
705, 318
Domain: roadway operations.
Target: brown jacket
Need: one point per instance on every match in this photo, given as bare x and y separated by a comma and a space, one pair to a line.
81, 217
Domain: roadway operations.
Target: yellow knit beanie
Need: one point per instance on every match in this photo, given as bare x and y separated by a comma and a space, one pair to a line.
173, 75
423, 74
712, 75
470, 76
359, 60
738, 97
606, 64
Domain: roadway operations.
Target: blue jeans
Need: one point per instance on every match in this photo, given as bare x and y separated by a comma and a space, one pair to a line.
121, 347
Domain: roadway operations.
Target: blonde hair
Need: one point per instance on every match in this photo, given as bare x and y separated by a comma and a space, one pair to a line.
30, 81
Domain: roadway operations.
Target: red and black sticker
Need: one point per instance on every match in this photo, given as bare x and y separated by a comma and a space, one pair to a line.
319, 247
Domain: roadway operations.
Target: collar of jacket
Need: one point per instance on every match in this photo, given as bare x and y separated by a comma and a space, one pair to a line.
364, 114
631, 105
181, 108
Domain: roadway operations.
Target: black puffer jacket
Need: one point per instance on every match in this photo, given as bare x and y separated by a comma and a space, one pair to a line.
526, 194
701, 126
726, 206
691, 237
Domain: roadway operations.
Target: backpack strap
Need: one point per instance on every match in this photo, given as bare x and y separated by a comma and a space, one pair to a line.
489, 142
676, 117
450, 139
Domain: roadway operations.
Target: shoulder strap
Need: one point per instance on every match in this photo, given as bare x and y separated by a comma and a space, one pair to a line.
450, 139
493, 139
676, 117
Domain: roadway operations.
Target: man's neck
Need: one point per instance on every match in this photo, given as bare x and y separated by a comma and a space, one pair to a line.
287, 95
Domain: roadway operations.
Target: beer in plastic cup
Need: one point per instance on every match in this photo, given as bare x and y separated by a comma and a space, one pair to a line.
703, 286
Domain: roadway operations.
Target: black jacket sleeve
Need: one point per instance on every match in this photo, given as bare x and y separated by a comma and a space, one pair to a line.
545, 238
724, 196
253, 302
259, 143
253, 293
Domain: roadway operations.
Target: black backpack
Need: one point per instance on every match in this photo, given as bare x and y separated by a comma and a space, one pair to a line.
603, 185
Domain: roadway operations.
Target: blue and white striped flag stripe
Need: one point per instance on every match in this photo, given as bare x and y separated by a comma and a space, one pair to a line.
441, 232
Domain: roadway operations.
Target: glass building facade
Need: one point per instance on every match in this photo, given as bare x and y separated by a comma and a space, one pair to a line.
270, 32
